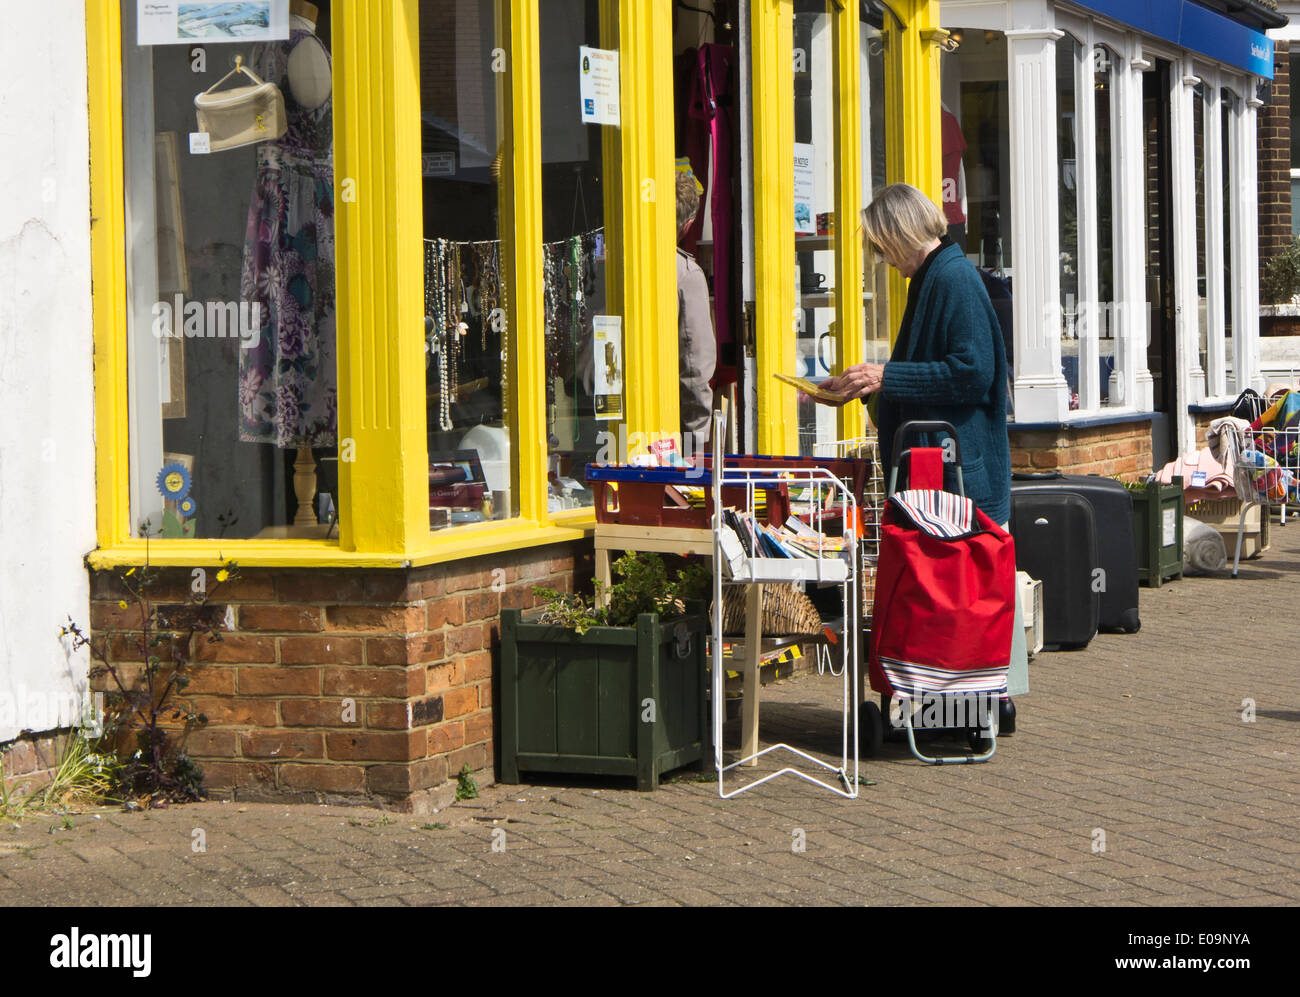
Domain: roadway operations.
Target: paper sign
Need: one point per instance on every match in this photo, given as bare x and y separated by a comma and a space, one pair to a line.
200, 143
438, 164
598, 86
188, 22
812, 390
805, 222
1198, 479
607, 346
1169, 523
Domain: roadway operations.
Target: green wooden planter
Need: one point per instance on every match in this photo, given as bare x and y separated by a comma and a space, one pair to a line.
622, 701
1158, 532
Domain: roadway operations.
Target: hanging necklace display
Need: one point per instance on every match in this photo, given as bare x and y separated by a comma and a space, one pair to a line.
551, 302
488, 287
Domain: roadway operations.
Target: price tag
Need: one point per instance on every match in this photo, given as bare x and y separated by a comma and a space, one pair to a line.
1170, 524
200, 143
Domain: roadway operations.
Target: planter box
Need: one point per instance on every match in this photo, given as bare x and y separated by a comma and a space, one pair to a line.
1158, 532
577, 705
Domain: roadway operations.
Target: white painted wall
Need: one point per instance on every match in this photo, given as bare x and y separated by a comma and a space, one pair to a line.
47, 480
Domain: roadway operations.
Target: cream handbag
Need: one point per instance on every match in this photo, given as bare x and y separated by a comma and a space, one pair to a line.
243, 115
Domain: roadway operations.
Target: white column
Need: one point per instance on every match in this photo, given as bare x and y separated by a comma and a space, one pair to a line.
1131, 385
1189, 378
1245, 327
1085, 173
1040, 390
1216, 374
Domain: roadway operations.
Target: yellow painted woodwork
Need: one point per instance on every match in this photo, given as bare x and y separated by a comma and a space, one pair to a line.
846, 88
776, 316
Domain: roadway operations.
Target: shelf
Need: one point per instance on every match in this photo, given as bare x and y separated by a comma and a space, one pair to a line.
792, 569
826, 299
813, 243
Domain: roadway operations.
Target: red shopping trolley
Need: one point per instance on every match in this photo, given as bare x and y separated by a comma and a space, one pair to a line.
943, 613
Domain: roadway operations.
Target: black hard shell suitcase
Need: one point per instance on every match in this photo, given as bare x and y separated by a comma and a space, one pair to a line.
1112, 509
1056, 542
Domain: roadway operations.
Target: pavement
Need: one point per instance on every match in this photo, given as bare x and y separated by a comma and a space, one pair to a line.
1159, 768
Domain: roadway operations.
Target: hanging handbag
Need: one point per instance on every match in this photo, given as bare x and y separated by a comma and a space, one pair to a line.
243, 115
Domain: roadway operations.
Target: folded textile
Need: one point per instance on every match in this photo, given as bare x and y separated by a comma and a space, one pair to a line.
1203, 476
1203, 548
1226, 439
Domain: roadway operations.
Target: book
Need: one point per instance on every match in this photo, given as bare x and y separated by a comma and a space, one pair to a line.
812, 390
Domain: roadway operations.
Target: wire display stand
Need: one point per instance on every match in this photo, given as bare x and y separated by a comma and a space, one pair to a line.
825, 497
1267, 473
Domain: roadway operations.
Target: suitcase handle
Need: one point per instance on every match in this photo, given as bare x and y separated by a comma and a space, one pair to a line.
926, 426
1044, 476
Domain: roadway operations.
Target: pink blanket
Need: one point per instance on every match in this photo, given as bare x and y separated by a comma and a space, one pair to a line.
1203, 476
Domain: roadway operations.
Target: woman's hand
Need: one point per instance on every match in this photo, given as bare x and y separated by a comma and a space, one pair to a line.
858, 381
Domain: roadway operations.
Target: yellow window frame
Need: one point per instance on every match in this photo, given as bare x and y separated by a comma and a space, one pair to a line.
383, 492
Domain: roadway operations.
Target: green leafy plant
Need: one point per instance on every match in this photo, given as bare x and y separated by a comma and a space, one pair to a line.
1281, 281
144, 711
643, 586
83, 776
466, 787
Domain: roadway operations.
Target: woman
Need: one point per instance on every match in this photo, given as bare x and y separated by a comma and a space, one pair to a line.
948, 364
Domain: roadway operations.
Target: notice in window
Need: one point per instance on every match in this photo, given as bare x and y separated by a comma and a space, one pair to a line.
187, 22
607, 335
598, 86
805, 222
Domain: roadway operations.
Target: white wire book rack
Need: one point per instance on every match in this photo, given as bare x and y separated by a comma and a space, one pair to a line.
824, 499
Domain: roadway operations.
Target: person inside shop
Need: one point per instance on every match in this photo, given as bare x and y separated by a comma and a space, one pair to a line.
948, 363
696, 345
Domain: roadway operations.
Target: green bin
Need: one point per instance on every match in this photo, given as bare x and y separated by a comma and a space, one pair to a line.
1158, 531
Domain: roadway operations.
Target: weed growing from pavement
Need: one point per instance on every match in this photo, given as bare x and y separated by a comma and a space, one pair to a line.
83, 776
144, 712
466, 787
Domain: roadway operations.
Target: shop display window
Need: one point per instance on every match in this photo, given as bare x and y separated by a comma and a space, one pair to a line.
585, 355
230, 269
874, 101
467, 328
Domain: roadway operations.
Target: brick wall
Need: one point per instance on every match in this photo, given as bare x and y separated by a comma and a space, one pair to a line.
29, 762
1122, 450
361, 685
1274, 152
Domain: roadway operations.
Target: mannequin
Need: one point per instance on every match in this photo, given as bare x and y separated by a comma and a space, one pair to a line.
287, 391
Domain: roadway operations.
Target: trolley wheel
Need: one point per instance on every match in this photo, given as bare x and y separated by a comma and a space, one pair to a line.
892, 733
871, 729
1006, 717
977, 741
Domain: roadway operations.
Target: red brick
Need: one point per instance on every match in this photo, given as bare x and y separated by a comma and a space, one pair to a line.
282, 745
519, 597
271, 681
392, 683
245, 588
443, 612
318, 713
316, 587
445, 675
236, 775
477, 666
210, 680
377, 746
323, 778
1047, 458
321, 650
482, 605
238, 649
404, 779
389, 716
464, 640
280, 618
484, 695
478, 728
203, 743
111, 616
462, 580
475, 756
459, 702
446, 737
236, 712
417, 649
375, 619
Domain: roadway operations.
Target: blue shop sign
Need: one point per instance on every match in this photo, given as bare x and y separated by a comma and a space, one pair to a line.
1193, 27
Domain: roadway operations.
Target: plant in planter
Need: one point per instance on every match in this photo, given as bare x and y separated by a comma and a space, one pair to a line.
610, 686
1281, 283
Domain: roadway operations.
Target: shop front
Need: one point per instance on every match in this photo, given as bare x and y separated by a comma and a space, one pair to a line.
364, 340
1100, 165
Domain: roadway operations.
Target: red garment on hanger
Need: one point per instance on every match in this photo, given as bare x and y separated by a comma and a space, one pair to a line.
711, 127
954, 144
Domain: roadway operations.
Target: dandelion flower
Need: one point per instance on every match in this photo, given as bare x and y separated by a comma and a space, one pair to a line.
222, 575
121, 604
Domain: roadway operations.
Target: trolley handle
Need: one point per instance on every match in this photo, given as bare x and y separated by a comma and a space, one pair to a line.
926, 426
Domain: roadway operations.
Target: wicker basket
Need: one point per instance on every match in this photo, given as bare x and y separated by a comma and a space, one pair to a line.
787, 612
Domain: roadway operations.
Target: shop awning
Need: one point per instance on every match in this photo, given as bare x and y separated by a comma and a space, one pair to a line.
1193, 27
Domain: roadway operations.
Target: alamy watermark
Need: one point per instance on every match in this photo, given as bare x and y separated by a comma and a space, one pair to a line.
181, 319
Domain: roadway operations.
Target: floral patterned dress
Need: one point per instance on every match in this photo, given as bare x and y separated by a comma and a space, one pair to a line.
288, 392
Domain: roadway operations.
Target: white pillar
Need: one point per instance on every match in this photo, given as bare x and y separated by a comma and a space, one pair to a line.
1088, 263
1216, 373
1040, 390
1131, 385
1245, 329
1189, 377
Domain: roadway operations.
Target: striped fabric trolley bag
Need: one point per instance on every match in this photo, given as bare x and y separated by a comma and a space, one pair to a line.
943, 612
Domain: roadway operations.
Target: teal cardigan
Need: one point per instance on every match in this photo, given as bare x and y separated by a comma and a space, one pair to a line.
954, 369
